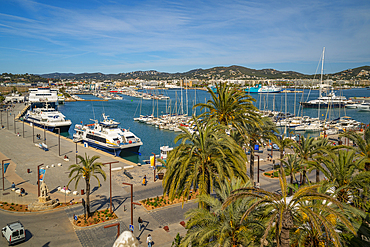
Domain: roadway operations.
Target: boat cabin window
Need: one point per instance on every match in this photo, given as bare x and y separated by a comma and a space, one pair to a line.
96, 138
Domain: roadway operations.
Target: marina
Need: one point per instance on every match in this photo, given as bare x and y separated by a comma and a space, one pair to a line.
125, 110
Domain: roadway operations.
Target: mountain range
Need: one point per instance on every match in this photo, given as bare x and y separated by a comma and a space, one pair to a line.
231, 72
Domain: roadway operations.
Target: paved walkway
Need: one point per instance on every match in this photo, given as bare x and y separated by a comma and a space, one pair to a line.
24, 155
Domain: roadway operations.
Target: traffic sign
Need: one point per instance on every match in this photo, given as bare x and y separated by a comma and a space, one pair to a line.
131, 227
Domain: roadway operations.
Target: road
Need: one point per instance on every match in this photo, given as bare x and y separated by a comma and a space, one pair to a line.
43, 229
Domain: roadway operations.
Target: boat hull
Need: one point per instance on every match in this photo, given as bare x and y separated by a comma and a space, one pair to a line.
63, 128
322, 105
115, 151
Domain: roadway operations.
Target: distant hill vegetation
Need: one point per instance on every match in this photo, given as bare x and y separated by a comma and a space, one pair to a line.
231, 72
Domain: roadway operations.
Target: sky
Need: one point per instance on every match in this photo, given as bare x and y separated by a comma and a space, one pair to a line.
113, 36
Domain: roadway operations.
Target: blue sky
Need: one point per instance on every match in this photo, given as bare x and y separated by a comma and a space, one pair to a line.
113, 36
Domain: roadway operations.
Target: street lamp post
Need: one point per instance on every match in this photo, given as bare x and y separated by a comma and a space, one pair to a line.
110, 181
7, 120
15, 127
132, 210
38, 180
115, 224
76, 152
33, 133
59, 139
23, 126
2, 166
258, 169
44, 135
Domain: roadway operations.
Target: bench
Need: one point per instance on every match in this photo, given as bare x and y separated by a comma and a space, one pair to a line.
116, 169
128, 174
65, 191
128, 167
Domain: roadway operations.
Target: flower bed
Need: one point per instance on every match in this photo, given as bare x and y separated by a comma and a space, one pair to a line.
24, 208
14, 207
163, 201
96, 218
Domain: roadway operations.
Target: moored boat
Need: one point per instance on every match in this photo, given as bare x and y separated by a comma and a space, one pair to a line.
107, 136
48, 118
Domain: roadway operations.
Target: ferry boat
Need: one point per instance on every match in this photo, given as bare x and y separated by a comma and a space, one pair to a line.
38, 96
48, 118
263, 89
107, 136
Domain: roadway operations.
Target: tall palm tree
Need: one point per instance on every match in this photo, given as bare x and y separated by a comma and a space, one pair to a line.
305, 149
284, 212
86, 168
292, 165
204, 157
254, 135
362, 144
228, 106
283, 143
222, 227
342, 169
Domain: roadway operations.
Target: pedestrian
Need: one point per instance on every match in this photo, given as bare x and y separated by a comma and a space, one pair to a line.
149, 240
140, 221
144, 180
13, 185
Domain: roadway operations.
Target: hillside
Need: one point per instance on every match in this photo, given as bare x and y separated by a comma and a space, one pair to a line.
231, 72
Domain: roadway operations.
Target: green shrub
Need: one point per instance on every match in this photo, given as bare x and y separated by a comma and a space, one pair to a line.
276, 174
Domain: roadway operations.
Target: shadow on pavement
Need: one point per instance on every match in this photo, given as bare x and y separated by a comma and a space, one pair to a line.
28, 235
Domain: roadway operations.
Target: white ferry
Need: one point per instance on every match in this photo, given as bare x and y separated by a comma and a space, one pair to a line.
107, 136
47, 117
38, 96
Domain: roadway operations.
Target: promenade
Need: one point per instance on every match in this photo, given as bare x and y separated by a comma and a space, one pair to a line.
24, 155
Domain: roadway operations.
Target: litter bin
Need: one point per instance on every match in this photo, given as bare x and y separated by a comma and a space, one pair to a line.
160, 175
82, 192
28, 170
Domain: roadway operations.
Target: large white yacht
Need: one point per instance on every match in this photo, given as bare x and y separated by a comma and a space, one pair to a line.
48, 118
107, 136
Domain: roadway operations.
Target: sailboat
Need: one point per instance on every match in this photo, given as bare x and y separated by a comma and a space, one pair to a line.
330, 99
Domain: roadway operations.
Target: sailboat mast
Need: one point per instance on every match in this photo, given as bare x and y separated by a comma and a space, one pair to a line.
322, 72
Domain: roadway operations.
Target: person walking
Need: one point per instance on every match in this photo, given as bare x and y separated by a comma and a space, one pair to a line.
140, 221
144, 180
149, 240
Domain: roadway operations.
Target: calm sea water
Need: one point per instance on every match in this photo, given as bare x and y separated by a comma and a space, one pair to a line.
125, 110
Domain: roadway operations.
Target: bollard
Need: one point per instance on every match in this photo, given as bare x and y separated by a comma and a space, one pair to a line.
28, 170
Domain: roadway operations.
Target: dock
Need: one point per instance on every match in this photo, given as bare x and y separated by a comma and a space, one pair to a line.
360, 99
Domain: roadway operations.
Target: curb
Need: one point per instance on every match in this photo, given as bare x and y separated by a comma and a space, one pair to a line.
41, 211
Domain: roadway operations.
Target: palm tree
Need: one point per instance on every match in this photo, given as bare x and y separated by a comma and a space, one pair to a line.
362, 144
229, 107
86, 168
342, 169
292, 166
305, 149
305, 234
283, 143
204, 157
284, 212
254, 135
222, 227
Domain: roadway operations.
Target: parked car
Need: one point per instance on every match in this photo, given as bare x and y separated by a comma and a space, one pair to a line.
14, 232
275, 147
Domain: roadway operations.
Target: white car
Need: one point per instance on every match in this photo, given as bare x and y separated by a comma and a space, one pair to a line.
14, 232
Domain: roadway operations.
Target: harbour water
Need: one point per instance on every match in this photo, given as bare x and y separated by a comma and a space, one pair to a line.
125, 110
